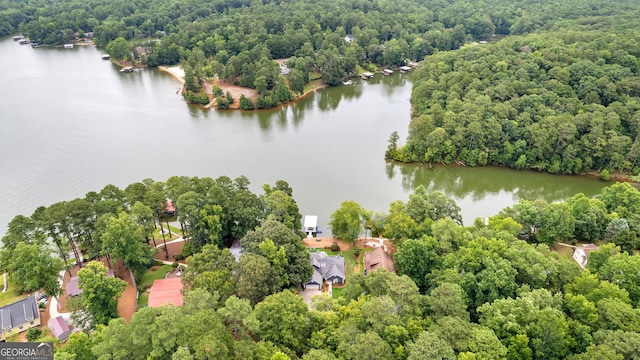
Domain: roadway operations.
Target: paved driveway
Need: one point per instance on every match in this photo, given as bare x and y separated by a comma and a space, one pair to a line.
308, 294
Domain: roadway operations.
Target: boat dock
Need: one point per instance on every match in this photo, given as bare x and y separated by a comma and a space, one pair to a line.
366, 75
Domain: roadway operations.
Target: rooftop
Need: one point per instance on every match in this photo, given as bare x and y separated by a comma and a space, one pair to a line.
19, 313
59, 327
377, 259
328, 267
166, 291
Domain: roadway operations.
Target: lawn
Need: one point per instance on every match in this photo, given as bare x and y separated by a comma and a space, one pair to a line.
352, 264
175, 233
9, 296
155, 273
312, 85
336, 292
143, 300
313, 75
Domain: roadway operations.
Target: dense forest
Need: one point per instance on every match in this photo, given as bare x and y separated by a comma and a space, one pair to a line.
238, 40
562, 101
493, 290
553, 86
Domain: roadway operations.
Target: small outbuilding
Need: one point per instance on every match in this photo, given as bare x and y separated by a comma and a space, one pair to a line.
72, 287
387, 72
405, 69
59, 328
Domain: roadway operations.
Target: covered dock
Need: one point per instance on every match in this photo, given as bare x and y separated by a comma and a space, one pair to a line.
310, 225
366, 75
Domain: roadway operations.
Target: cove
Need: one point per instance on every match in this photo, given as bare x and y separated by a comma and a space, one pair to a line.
72, 123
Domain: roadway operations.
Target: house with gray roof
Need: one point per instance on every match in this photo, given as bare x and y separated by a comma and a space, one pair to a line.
18, 317
325, 268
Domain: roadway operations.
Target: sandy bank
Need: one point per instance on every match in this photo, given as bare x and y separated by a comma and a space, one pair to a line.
174, 71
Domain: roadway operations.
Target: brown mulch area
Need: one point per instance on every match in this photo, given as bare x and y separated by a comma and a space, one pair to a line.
173, 249
391, 249
236, 91
127, 301
323, 243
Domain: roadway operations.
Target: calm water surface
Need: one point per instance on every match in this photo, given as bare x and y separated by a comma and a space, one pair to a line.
70, 123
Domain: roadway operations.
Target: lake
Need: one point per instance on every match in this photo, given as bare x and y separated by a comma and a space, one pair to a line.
72, 123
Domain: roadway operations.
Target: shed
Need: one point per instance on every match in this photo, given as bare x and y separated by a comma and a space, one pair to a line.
366, 75
166, 291
59, 328
72, 287
387, 72
310, 224
405, 69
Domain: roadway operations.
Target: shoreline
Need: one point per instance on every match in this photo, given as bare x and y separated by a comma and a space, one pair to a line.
211, 104
236, 104
615, 177
172, 73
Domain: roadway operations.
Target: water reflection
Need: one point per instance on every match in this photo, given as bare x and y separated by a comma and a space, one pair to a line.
478, 183
329, 98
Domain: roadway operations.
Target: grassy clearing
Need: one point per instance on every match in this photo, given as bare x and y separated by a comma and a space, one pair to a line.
329, 252
314, 76
312, 85
10, 295
155, 273
143, 300
175, 233
337, 292
566, 251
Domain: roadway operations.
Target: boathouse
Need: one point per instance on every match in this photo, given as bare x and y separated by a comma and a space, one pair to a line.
387, 72
310, 225
405, 69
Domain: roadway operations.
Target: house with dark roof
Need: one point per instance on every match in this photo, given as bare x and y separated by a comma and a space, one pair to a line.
18, 317
378, 259
325, 268
59, 328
